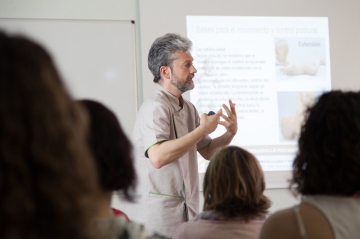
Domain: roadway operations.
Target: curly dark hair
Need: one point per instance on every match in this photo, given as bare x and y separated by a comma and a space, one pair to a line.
112, 150
234, 184
47, 176
328, 160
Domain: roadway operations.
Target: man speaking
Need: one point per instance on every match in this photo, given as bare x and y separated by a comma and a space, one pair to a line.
167, 135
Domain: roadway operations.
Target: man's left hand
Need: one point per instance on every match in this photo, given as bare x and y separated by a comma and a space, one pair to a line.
230, 122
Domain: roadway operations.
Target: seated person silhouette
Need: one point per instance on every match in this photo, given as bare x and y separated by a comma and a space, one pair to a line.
293, 68
44, 192
325, 174
234, 203
112, 151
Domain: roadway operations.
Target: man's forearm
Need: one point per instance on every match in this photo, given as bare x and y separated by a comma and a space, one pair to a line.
216, 143
171, 150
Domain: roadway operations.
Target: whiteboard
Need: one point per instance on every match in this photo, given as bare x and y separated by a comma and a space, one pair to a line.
96, 59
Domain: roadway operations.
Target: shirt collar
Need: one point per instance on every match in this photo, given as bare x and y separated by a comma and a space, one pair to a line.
173, 99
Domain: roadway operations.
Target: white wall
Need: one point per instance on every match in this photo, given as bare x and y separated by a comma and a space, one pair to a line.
69, 9
78, 9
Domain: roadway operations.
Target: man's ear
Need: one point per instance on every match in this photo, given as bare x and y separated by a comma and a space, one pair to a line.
165, 72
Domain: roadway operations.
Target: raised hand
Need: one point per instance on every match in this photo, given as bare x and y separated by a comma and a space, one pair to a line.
230, 121
210, 123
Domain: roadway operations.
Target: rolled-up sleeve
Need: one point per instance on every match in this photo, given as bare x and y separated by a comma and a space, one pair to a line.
156, 125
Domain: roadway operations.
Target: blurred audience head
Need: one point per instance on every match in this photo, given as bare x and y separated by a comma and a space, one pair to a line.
234, 185
47, 176
112, 150
328, 160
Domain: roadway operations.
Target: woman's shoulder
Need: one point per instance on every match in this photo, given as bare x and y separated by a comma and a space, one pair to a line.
286, 223
281, 224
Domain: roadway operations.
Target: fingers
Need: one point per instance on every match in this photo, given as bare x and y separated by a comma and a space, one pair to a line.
230, 120
226, 109
223, 123
218, 114
230, 112
204, 115
232, 106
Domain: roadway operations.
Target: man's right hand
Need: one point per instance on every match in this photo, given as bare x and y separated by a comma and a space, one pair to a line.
209, 123
168, 151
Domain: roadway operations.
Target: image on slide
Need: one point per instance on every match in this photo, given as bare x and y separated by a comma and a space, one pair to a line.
300, 59
291, 111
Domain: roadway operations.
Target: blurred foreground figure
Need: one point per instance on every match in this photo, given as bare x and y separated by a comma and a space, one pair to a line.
234, 203
47, 176
326, 173
112, 152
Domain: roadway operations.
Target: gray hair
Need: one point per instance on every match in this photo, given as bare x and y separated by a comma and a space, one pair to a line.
162, 52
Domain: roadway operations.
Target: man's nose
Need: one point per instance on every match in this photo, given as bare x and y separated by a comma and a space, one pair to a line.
193, 69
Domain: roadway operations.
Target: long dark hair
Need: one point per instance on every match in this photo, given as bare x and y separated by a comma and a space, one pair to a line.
47, 176
112, 150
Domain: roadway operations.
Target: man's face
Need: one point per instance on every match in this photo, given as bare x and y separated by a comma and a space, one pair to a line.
183, 72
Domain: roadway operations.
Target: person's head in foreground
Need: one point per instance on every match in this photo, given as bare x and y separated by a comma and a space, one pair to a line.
326, 171
328, 161
234, 203
47, 176
170, 62
112, 151
234, 185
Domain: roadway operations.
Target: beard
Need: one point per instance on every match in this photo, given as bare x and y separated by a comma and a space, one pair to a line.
183, 86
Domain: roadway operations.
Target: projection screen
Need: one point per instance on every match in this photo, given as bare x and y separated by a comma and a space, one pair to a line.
273, 68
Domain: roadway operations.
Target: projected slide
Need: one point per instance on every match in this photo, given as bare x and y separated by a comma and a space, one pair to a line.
273, 68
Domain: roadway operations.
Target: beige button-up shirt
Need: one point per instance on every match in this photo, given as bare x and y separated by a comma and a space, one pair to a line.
169, 196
